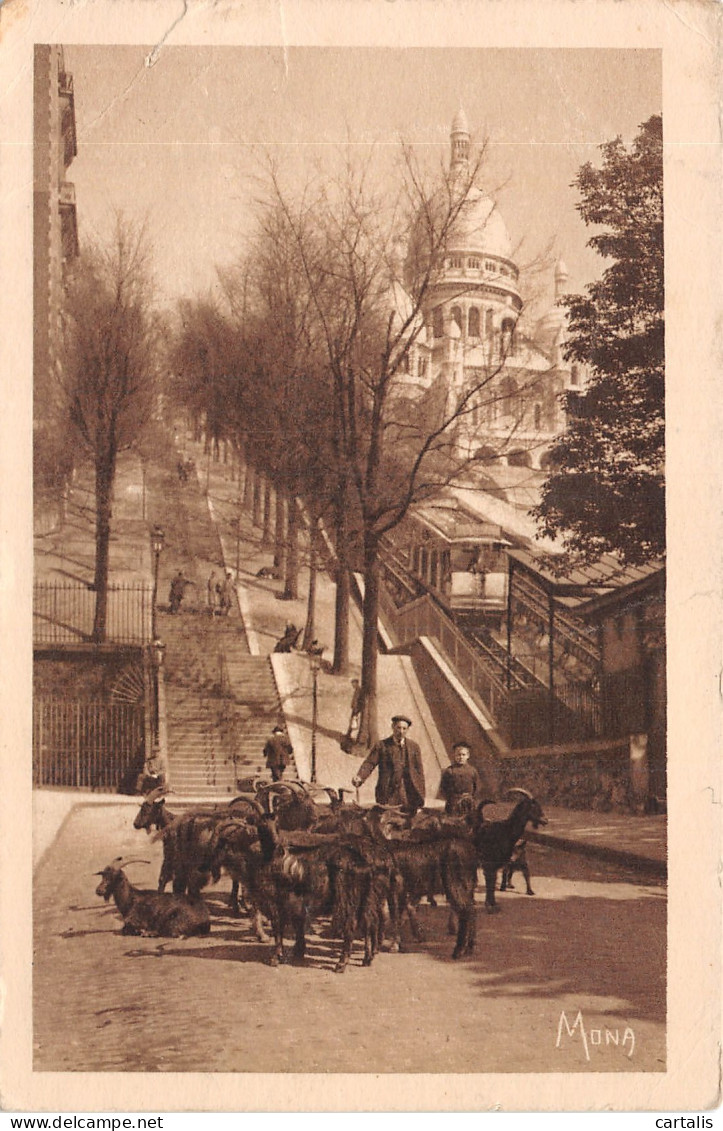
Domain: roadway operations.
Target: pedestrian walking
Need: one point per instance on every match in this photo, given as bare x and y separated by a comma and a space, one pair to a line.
401, 773
278, 752
356, 708
460, 784
212, 593
225, 592
179, 584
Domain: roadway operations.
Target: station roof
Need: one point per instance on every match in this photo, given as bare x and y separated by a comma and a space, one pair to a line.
454, 523
586, 587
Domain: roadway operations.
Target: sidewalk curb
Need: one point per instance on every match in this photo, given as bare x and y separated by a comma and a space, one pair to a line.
602, 852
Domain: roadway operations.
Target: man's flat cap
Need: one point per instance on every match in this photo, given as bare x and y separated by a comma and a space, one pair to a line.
401, 719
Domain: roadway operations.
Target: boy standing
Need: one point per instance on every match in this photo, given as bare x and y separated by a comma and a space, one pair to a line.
460, 784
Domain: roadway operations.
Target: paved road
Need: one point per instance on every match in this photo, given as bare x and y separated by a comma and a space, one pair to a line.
591, 940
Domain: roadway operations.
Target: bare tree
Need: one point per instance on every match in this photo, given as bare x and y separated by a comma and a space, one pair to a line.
394, 444
109, 371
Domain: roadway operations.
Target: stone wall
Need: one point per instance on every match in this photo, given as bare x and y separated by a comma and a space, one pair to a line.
599, 781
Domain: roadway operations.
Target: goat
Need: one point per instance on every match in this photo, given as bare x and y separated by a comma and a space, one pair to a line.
297, 876
495, 841
152, 913
295, 808
186, 841
517, 863
438, 864
153, 814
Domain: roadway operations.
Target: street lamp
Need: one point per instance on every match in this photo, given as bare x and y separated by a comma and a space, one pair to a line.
315, 665
157, 540
158, 649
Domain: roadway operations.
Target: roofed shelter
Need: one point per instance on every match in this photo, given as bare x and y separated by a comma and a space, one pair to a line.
595, 636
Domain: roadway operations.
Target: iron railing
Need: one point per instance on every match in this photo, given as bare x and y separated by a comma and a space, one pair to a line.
87, 744
63, 613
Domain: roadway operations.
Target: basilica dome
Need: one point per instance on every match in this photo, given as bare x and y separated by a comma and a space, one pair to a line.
480, 229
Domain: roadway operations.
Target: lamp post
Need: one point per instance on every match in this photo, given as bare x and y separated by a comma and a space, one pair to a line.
314, 664
158, 649
157, 540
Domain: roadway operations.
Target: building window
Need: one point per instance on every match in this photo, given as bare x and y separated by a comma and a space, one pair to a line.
538, 417
438, 322
489, 323
473, 322
455, 262
421, 367
490, 266
474, 264
507, 344
457, 315
575, 374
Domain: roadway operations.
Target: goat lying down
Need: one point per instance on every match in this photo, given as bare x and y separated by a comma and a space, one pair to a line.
151, 913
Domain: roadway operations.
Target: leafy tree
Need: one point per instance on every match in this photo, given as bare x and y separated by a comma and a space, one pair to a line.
607, 492
109, 371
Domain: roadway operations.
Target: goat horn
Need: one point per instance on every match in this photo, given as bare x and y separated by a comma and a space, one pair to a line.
517, 789
134, 860
156, 793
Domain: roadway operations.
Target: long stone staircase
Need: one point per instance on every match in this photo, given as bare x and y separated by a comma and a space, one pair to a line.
221, 703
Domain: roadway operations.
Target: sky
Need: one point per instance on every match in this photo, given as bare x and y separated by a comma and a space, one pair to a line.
178, 144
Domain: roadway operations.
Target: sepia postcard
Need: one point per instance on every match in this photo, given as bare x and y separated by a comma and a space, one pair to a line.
360, 564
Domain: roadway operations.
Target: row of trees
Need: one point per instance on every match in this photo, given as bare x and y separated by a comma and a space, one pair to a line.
322, 318
304, 368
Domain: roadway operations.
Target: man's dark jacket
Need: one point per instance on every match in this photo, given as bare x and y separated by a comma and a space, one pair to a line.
389, 758
278, 751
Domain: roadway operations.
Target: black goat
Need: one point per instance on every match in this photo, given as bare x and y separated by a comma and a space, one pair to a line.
517, 863
440, 864
187, 839
153, 814
295, 877
295, 808
495, 841
152, 913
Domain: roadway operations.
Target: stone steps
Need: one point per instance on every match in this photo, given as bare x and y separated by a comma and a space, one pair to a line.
221, 703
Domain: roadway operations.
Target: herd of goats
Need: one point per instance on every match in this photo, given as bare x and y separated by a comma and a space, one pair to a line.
294, 859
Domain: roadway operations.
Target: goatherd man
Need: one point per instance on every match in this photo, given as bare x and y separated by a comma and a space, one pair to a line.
399, 761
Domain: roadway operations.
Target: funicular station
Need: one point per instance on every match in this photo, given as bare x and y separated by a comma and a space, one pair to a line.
553, 657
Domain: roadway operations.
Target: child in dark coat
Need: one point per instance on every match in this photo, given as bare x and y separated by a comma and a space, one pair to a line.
460, 781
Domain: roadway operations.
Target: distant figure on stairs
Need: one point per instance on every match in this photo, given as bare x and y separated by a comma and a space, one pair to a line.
225, 594
356, 708
287, 642
177, 591
212, 594
278, 752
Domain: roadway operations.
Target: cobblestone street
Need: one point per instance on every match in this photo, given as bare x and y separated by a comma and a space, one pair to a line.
108, 1002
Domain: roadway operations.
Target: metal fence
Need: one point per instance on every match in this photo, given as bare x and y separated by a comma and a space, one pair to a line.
86, 744
424, 618
63, 613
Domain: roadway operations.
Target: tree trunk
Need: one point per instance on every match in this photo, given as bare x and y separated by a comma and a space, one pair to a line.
249, 477
310, 626
256, 514
341, 620
291, 586
266, 539
369, 729
280, 535
340, 664
104, 476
